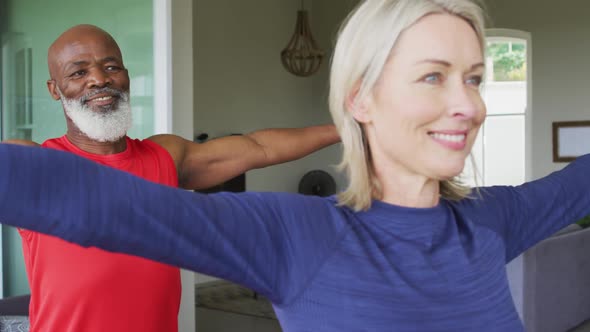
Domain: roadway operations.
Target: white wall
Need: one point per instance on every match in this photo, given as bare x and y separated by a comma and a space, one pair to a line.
173, 57
182, 123
241, 86
561, 50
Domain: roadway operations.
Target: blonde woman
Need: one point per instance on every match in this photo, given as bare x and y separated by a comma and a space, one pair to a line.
405, 247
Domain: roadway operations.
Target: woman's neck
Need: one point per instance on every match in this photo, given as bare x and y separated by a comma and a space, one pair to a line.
401, 188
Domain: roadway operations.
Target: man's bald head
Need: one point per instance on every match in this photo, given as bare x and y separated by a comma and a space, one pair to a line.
88, 76
66, 46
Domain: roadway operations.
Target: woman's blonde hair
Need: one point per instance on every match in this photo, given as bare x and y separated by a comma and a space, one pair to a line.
364, 43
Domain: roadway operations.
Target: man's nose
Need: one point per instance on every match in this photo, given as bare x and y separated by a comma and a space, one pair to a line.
98, 78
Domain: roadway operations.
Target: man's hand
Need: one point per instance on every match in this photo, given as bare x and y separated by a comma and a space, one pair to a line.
21, 142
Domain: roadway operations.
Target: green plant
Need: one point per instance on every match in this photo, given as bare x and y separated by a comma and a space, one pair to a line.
509, 61
584, 222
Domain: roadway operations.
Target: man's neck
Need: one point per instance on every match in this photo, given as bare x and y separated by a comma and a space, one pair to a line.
91, 146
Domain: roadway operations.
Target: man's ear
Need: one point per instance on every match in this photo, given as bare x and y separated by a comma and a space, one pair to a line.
52, 87
358, 106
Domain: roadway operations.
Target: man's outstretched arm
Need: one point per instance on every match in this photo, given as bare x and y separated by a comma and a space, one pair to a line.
21, 142
207, 164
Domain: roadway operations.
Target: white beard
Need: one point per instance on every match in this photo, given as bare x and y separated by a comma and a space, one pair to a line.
101, 126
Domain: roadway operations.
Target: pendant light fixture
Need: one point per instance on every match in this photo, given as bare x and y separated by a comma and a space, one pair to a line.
302, 56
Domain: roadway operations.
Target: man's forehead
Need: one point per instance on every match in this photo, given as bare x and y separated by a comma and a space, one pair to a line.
80, 53
79, 44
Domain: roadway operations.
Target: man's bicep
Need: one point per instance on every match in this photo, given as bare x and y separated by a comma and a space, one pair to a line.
214, 162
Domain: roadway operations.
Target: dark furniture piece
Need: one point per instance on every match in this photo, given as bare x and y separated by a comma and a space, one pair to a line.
15, 306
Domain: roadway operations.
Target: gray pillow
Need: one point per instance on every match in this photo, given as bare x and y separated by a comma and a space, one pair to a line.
14, 324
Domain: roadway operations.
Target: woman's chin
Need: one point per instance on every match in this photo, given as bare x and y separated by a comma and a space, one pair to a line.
450, 172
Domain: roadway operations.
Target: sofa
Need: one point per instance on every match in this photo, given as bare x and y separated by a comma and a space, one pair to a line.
14, 314
556, 282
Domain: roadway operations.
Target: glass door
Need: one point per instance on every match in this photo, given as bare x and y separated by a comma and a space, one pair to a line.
27, 111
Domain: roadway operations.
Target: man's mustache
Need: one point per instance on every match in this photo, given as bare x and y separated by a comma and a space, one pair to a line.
113, 92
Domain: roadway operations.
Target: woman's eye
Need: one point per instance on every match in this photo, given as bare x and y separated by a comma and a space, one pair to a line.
433, 78
474, 80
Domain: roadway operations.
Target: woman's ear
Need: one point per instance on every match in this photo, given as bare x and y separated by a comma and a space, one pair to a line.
358, 105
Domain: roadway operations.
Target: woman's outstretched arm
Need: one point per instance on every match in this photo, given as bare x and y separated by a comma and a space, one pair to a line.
263, 241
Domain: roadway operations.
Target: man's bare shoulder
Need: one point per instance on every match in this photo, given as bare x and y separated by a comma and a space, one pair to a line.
21, 142
175, 145
165, 138
168, 141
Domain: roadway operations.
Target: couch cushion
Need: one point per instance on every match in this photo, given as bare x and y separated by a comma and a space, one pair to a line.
568, 229
555, 278
14, 324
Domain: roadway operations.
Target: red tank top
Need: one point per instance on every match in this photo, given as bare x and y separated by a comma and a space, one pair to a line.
76, 289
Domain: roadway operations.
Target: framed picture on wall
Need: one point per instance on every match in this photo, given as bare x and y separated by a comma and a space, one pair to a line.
571, 139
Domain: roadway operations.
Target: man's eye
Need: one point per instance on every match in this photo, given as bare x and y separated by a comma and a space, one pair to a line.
78, 73
113, 68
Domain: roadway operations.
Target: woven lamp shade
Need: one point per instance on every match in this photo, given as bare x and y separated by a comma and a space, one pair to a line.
302, 56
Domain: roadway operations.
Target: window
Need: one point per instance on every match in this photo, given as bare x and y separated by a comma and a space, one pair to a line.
500, 151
